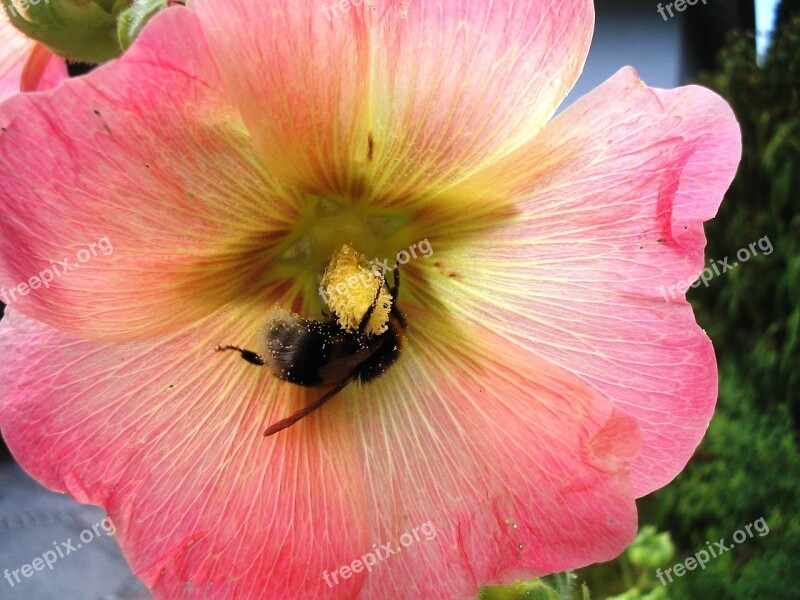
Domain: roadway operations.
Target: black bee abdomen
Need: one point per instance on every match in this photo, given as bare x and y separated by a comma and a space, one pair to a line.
388, 351
317, 353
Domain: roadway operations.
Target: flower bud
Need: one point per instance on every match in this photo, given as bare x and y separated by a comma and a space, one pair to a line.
79, 30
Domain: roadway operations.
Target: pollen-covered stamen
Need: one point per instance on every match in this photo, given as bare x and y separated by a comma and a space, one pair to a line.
350, 285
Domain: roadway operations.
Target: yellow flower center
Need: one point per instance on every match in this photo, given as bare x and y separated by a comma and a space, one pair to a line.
337, 239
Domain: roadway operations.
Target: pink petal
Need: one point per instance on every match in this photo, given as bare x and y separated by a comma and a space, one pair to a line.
596, 218
168, 437
394, 97
43, 70
146, 152
519, 467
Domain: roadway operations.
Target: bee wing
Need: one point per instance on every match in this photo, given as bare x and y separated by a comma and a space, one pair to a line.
342, 366
304, 412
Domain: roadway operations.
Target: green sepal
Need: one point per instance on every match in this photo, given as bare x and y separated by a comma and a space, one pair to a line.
133, 19
75, 29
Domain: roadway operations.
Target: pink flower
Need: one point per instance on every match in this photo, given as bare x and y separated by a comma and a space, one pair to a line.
24, 64
544, 383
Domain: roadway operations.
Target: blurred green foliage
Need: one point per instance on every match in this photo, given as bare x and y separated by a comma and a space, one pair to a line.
559, 586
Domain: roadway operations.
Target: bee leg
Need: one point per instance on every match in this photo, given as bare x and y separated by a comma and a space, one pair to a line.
248, 355
367, 315
304, 412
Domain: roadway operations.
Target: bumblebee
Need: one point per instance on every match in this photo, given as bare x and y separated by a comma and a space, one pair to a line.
320, 353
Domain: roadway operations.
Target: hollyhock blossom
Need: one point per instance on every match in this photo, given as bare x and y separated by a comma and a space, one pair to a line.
26, 65
544, 383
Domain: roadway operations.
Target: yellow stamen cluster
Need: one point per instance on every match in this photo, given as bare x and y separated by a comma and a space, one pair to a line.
350, 285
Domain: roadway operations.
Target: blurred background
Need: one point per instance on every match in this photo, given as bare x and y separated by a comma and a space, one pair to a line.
748, 466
